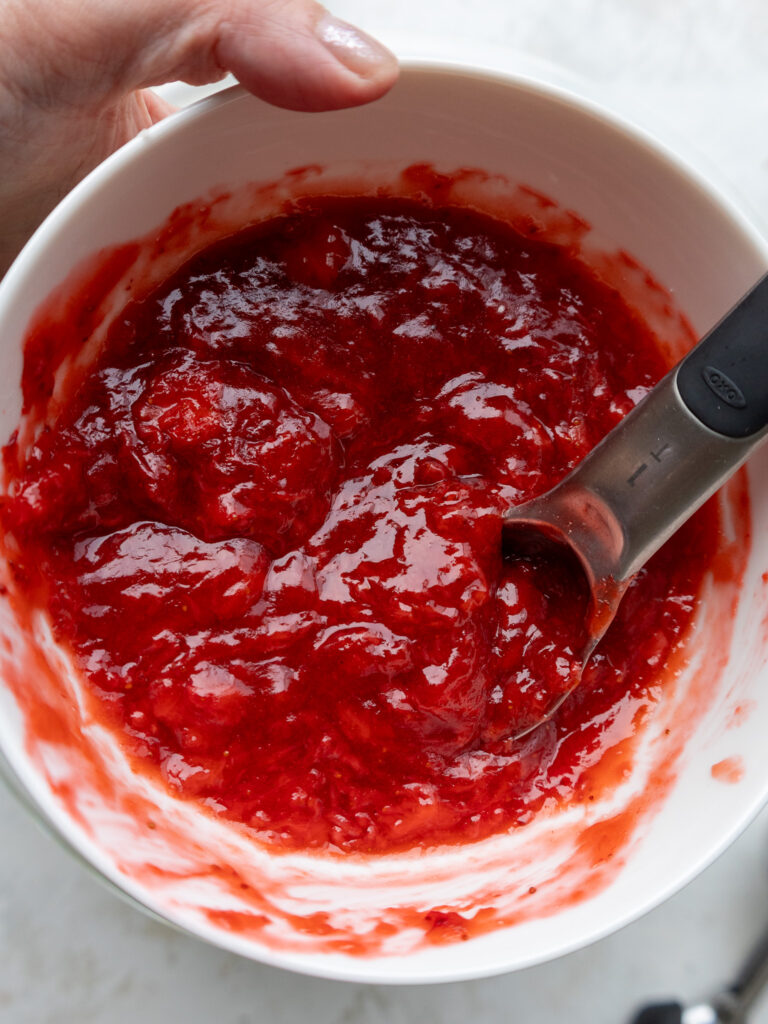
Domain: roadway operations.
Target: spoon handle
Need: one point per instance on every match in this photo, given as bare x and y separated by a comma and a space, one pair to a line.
674, 450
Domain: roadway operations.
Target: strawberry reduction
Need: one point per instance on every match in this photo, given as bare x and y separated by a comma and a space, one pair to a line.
268, 526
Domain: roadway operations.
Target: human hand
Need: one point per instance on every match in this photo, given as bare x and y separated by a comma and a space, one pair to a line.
76, 77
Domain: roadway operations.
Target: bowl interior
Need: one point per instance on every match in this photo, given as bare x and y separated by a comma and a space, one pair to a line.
635, 199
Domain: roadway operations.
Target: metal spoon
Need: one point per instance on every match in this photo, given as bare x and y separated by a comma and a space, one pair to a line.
655, 468
730, 1006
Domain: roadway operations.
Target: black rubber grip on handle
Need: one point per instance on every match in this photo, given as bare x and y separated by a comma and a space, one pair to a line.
724, 380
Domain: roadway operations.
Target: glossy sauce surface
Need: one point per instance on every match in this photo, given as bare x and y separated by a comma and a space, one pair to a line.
268, 526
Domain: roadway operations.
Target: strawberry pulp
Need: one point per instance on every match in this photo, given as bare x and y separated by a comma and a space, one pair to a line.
268, 526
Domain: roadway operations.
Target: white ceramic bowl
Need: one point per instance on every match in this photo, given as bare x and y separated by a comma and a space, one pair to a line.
318, 913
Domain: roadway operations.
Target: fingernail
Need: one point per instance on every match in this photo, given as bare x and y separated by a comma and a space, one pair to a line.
356, 50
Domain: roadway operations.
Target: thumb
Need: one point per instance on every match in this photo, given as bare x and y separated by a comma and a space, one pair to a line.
295, 54
289, 52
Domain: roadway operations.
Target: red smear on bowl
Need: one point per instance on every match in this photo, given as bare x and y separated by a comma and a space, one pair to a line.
730, 769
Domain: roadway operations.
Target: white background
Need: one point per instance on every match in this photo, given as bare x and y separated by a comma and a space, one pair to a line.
696, 73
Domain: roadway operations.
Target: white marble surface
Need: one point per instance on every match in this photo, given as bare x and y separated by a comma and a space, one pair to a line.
696, 72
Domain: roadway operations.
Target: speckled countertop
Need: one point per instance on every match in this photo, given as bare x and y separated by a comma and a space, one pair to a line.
696, 73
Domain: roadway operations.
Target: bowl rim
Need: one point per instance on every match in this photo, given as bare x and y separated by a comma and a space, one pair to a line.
358, 969
565, 95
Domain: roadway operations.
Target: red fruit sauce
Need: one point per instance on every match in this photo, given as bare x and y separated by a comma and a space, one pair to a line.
268, 525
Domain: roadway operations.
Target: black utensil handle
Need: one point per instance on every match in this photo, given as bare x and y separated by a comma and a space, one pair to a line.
724, 380
660, 1013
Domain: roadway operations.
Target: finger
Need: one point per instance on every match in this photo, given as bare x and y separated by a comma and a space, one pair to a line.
306, 61
289, 52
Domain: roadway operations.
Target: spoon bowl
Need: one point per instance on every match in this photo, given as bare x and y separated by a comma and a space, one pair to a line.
531, 533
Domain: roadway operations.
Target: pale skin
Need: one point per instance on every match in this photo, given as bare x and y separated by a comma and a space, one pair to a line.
76, 79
